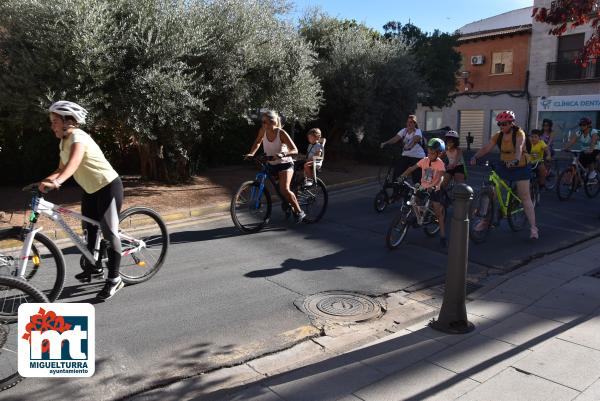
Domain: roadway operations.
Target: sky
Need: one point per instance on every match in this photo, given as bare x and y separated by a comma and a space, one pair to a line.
447, 16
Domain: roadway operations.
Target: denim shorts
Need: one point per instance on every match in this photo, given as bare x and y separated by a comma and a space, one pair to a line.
513, 174
275, 169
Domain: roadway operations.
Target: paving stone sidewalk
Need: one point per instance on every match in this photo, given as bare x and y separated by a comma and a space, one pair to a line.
537, 338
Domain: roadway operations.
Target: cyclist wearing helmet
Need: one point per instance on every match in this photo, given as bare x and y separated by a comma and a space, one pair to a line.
511, 140
412, 152
456, 163
588, 140
432, 177
82, 158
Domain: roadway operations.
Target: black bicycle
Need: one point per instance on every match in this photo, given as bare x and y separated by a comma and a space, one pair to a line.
391, 190
251, 205
13, 293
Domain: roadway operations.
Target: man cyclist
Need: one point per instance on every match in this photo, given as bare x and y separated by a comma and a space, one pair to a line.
587, 137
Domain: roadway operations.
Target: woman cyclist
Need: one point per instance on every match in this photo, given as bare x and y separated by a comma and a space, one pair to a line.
511, 140
587, 137
412, 152
102, 198
278, 145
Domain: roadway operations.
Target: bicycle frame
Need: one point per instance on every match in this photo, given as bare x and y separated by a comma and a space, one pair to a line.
499, 185
261, 178
40, 206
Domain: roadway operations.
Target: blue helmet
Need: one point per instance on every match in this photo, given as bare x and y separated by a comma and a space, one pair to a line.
436, 144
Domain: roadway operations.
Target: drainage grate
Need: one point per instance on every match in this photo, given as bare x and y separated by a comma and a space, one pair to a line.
342, 306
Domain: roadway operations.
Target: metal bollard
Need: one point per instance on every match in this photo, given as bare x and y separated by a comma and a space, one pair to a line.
453, 315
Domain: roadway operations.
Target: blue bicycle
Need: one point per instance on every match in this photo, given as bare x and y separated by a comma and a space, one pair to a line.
251, 205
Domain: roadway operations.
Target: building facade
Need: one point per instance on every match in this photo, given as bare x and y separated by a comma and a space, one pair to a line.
560, 89
494, 77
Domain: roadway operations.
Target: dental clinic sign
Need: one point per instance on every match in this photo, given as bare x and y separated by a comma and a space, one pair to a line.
569, 103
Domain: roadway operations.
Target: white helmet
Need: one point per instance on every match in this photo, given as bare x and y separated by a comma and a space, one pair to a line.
66, 108
451, 134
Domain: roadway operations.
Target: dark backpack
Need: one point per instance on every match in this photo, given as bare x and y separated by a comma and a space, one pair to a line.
514, 141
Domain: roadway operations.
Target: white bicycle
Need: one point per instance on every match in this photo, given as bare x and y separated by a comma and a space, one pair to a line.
27, 253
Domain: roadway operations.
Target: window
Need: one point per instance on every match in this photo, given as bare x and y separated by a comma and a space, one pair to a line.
502, 62
569, 47
433, 120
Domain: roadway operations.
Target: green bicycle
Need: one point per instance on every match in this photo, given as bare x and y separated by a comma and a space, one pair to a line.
485, 214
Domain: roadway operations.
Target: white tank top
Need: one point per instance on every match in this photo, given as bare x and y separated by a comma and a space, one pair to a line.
275, 147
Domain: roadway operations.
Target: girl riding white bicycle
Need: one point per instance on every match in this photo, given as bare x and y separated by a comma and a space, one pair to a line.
82, 158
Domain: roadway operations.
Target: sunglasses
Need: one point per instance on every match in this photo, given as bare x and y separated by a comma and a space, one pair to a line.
503, 124
268, 121
583, 125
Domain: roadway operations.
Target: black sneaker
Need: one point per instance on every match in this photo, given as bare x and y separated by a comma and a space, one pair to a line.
110, 288
443, 242
86, 275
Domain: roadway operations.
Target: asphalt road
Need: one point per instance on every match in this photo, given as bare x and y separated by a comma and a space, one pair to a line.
223, 298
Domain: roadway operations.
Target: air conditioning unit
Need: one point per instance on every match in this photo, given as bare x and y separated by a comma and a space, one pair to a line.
477, 60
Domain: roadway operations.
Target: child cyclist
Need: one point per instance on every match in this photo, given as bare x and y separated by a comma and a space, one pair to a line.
539, 149
315, 149
456, 163
432, 177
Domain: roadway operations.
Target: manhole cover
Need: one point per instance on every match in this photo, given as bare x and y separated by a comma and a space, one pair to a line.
342, 306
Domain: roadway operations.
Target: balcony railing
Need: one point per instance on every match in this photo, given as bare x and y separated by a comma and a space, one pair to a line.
563, 71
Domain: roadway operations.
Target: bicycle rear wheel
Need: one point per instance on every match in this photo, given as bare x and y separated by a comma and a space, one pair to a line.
592, 186
397, 230
313, 200
516, 214
481, 215
551, 176
249, 212
381, 201
565, 185
45, 268
432, 226
385, 174
13, 293
144, 244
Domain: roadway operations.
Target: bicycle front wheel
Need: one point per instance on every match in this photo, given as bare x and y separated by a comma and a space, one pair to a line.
592, 186
565, 185
534, 192
516, 214
397, 231
250, 210
13, 293
481, 215
45, 266
313, 200
144, 244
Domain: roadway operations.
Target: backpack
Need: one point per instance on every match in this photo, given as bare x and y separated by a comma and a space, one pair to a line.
514, 141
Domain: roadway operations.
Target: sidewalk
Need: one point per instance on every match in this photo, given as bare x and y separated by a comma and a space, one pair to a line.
537, 338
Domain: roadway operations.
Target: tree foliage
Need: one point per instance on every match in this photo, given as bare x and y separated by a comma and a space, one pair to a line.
164, 80
369, 83
565, 14
436, 58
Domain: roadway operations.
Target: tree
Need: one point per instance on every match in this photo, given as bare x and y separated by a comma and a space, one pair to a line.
171, 82
564, 14
436, 58
369, 84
